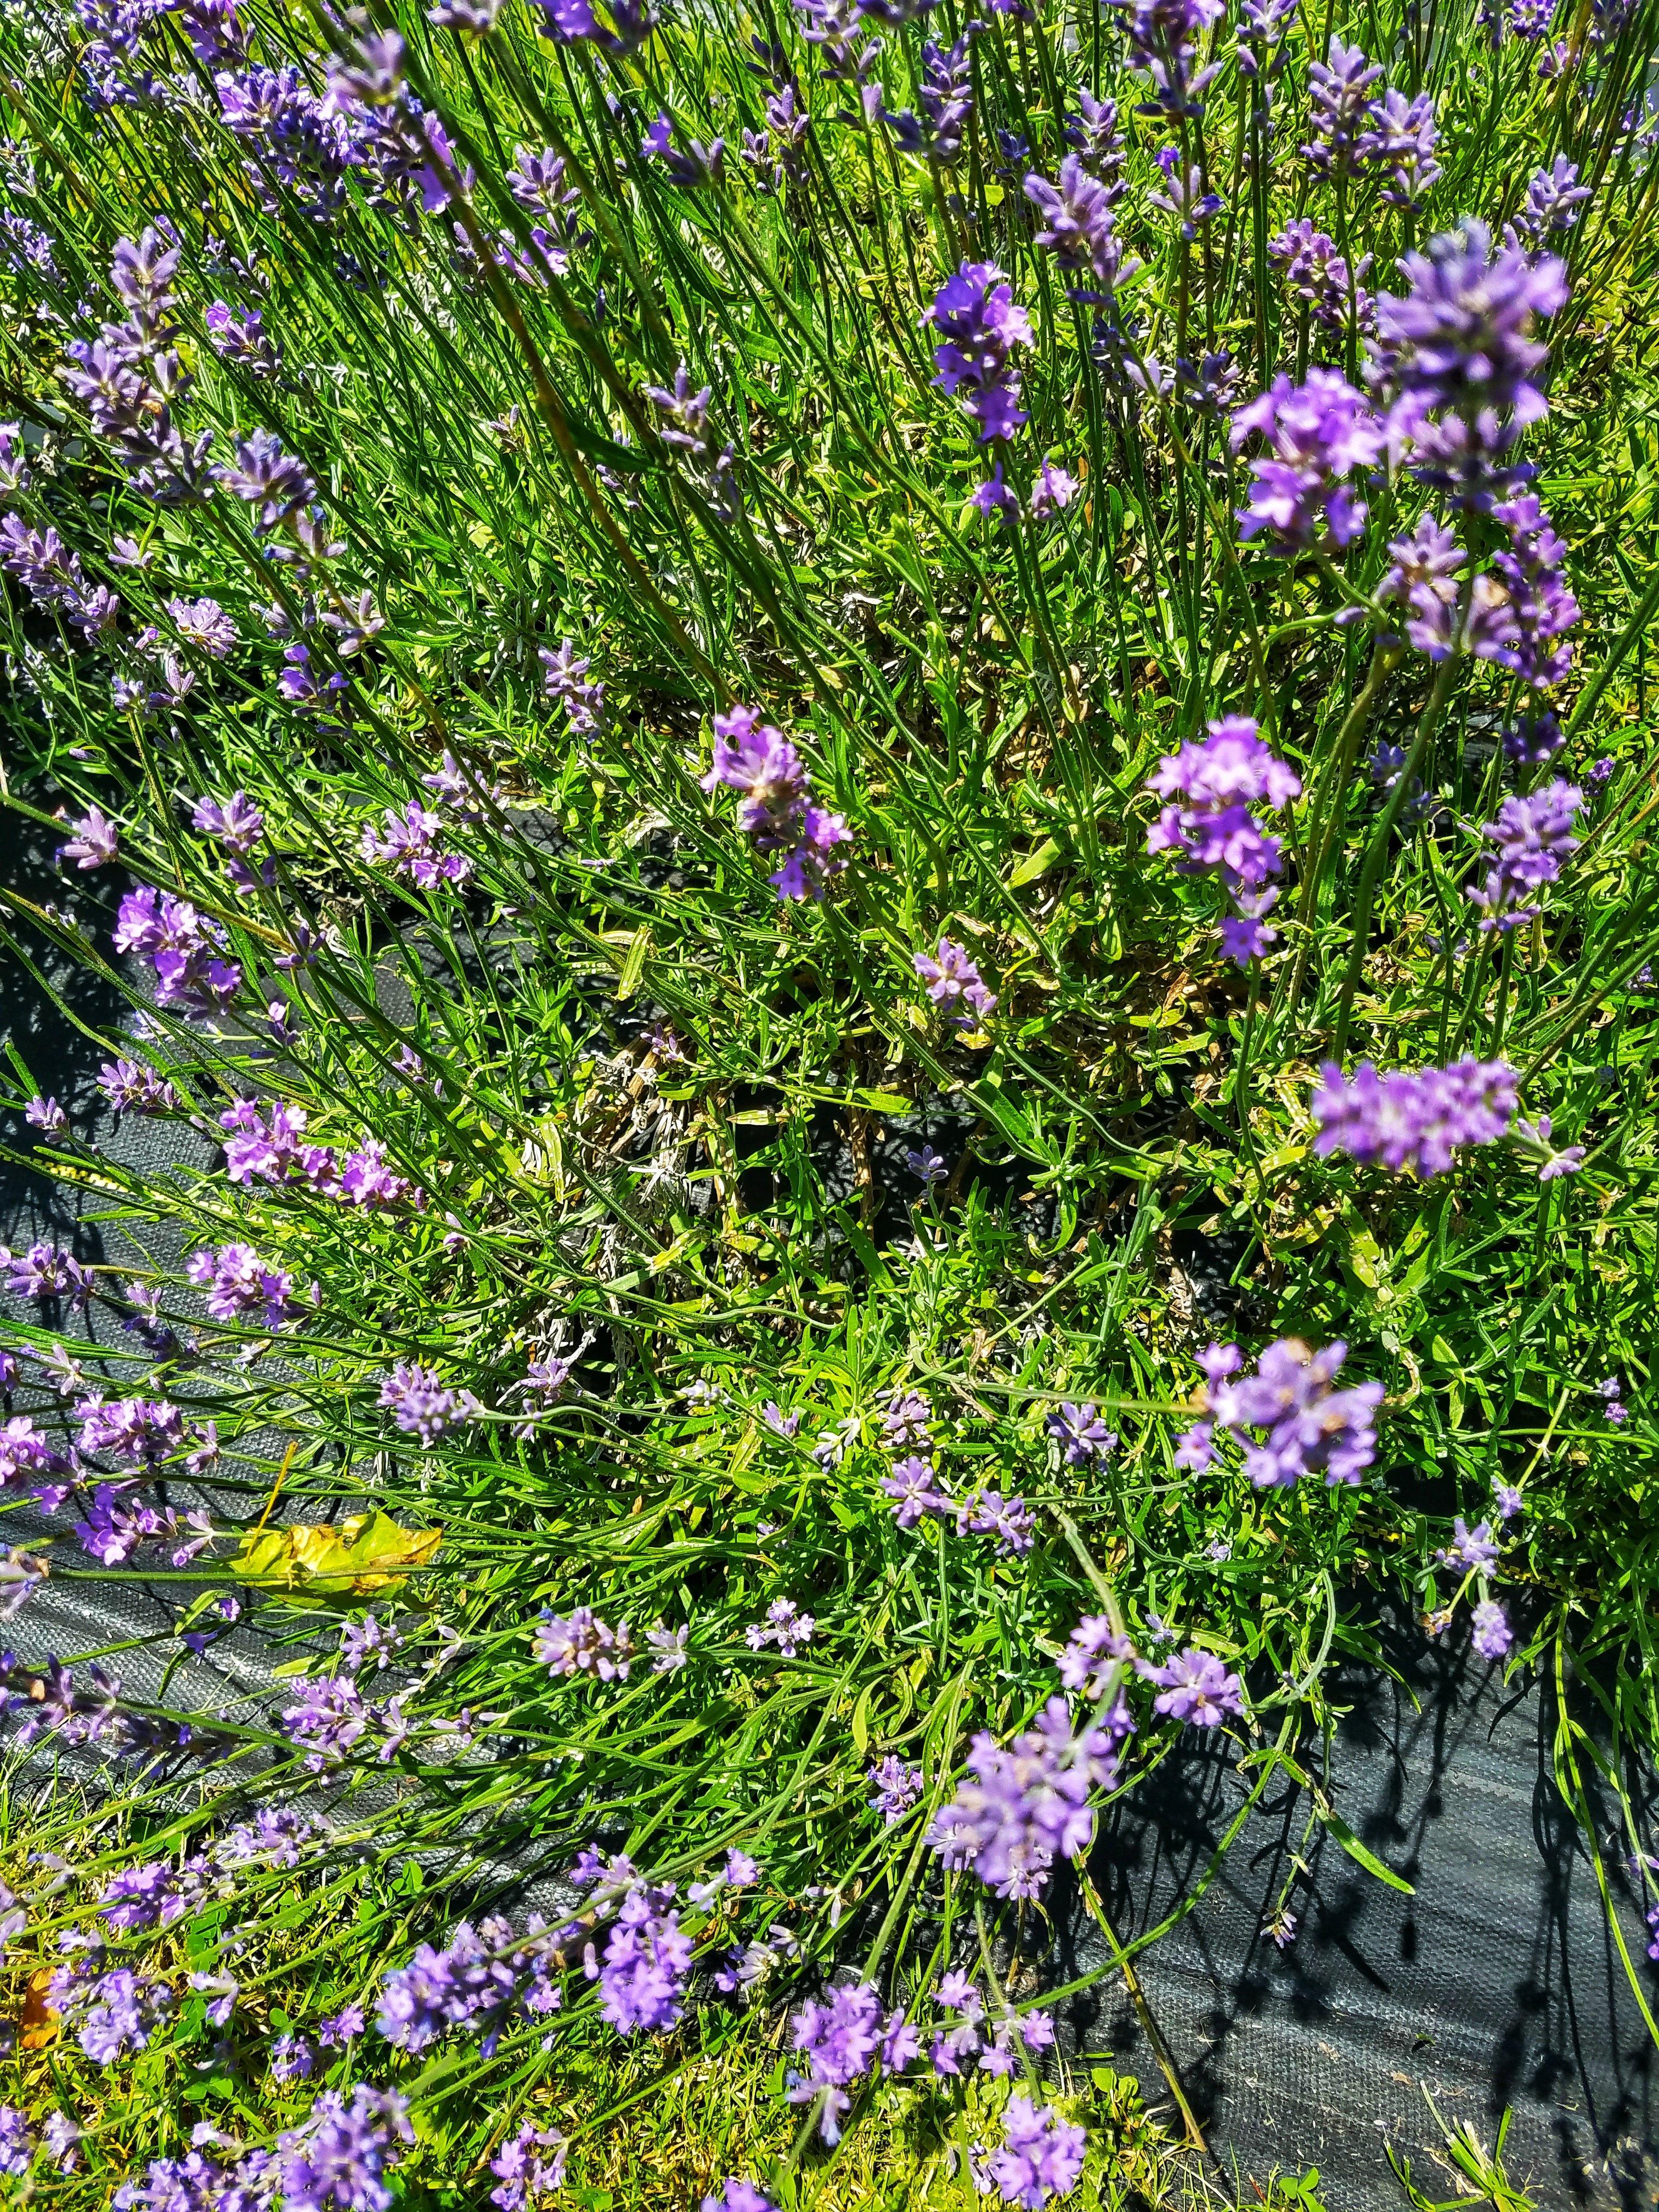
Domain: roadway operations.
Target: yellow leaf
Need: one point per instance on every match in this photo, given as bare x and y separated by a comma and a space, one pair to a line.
39, 2022
367, 1551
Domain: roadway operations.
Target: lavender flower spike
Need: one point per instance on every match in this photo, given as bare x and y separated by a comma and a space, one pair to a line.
1416, 1122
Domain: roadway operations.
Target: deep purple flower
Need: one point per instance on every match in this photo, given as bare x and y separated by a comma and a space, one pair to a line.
1470, 1548
1078, 221
1095, 1653
239, 1283
1183, 194
337, 2160
1215, 829
1043, 2155
979, 323
1010, 1520
738, 2196
839, 2041
1534, 740
784, 1626
1539, 606
913, 1487
1028, 1804
756, 759
945, 97
564, 678
1196, 1687
1461, 341
1533, 835
528, 2167
1339, 90
45, 1270
420, 1405
1311, 1428
953, 980
1319, 432
1493, 1635
1554, 196
1414, 1120
132, 1088
1080, 1432
412, 842
238, 335
1053, 491
95, 844
582, 1643
1317, 274
1403, 137
236, 823
1162, 37
898, 1786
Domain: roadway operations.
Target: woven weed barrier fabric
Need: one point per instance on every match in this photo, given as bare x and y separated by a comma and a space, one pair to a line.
1497, 1984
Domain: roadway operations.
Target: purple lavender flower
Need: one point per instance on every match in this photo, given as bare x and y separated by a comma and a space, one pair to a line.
776, 810
979, 323
1010, 1520
1554, 196
944, 95
1311, 1427
1534, 740
1413, 1120
1077, 222
292, 2059
738, 2196
1080, 1432
1215, 829
1533, 835
696, 165
238, 335
1043, 2155
1459, 346
1339, 90
46, 1116
411, 842
839, 2042
1052, 492
1161, 36
45, 1270
420, 1405
131, 1088
337, 2160
1027, 1805
564, 678
647, 1960
1403, 137
1317, 274
1540, 607
898, 1786
528, 2167
1470, 1549
582, 1643
1095, 1654
784, 1626
1319, 432
1183, 194
953, 980
1195, 1686
913, 1487
1493, 1635
118, 2012
239, 1283
95, 843
16, 2145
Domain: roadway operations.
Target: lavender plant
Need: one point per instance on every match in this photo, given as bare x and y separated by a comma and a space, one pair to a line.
619, 624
